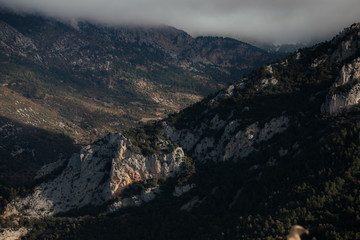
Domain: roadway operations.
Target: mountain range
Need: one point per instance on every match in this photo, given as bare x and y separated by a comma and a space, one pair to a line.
277, 147
74, 82
124, 72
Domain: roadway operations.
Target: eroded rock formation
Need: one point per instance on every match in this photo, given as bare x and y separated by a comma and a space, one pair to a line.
345, 92
233, 144
97, 174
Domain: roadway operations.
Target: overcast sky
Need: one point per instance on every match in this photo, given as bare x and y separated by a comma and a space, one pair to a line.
279, 21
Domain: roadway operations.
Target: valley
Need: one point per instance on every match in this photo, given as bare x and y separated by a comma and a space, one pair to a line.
121, 74
85, 80
263, 144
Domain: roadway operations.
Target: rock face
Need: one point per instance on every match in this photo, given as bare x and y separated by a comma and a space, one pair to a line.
97, 174
346, 47
345, 92
232, 144
13, 234
129, 168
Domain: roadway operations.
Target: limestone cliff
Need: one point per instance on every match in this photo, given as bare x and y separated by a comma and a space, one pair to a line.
235, 142
13, 234
348, 42
345, 92
97, 174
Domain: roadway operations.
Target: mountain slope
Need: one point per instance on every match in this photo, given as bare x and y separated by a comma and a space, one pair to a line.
84, 80
292, 130
138, 72
277, 148
270, 100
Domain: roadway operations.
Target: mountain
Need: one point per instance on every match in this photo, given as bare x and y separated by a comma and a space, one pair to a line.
91, 75
77, 81
278, 147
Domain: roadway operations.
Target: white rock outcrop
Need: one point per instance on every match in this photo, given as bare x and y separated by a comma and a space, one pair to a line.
97, 174
185, 137
346, 48
233, 144
223, 94
267, 82
318, 61
345, 92
9, 234
243, 142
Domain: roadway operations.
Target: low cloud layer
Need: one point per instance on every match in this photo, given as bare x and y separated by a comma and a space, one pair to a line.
279, 21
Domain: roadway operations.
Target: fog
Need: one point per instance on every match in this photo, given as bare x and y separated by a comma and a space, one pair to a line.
273, 21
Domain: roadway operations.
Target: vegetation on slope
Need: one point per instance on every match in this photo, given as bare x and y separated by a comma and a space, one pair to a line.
129, 73
307, 175
317, 188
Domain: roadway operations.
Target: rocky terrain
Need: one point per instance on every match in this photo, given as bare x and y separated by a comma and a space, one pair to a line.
344, 94
13, 235
99, 173
233, 143
228, 126
113, 74
78, 81
278, 147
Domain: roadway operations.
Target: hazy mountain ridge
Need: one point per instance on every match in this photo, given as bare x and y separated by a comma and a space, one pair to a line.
84, 80
172, 42
267, 156
155, 70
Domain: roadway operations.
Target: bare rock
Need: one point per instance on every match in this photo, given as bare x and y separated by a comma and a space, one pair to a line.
13, 234
345, 92
232, 144
346, 48
97, 174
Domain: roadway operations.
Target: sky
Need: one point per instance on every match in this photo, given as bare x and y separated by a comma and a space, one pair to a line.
271, 21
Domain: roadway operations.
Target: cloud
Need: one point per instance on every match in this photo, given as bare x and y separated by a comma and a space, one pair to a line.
281, 21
